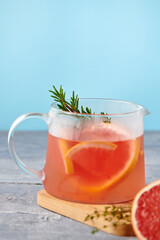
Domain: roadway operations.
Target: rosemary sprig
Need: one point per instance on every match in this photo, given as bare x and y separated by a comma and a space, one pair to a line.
60, 98
73, 104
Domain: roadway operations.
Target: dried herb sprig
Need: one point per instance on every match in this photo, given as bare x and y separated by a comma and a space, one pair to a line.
114, 215
73, 104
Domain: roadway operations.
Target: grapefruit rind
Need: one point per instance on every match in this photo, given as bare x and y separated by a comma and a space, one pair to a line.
125, 171
135, 205
109, 146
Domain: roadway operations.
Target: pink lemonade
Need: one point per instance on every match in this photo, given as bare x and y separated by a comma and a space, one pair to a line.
94, 171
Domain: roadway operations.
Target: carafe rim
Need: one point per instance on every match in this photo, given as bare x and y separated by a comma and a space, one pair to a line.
139, 108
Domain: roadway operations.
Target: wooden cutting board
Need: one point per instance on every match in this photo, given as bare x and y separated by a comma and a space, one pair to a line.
78, 212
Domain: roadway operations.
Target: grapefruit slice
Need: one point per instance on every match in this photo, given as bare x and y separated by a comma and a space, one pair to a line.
101, 164
146, 212
82, 150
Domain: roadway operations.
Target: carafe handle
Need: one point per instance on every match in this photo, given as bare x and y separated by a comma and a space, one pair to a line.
12, 151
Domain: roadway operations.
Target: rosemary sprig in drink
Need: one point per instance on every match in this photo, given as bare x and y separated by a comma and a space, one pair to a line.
72, 105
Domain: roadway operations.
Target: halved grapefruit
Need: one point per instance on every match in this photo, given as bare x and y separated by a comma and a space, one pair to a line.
146, 212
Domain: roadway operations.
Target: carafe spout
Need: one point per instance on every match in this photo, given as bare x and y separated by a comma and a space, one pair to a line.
145, 111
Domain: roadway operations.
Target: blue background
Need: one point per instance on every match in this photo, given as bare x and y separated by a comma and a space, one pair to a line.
100, 48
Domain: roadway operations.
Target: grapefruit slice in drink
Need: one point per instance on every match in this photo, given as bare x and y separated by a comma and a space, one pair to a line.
84, 154
101, 164
146, 212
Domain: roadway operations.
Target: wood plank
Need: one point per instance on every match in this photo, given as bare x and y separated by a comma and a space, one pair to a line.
78, 212
22, 218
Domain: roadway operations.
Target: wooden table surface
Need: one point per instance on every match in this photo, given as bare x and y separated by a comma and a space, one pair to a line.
21, 217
